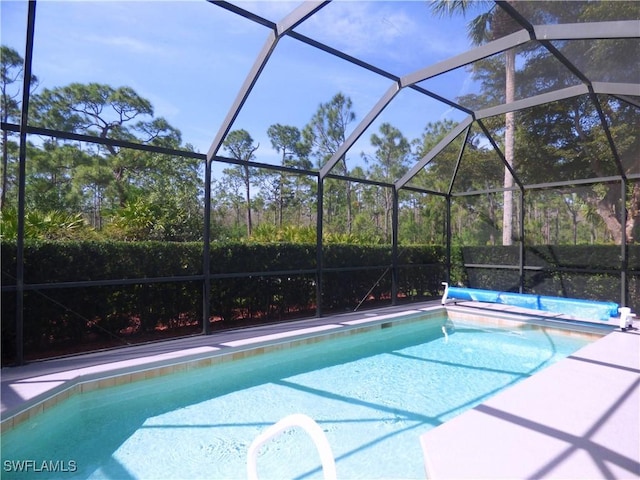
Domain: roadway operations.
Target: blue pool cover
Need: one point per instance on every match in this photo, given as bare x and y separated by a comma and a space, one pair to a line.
587, 309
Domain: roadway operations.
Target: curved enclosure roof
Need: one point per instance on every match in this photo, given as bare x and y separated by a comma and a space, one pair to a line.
577, 63
436, 105
565, 75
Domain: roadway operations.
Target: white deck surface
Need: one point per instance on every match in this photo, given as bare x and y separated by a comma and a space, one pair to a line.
578, 419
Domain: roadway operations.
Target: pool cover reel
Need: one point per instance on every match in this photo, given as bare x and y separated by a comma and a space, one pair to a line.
587, 309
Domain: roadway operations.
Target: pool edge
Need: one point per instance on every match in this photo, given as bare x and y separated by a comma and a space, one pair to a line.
67, 383
70, 382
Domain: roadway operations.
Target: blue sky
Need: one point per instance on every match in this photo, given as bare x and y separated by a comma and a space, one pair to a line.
189, 59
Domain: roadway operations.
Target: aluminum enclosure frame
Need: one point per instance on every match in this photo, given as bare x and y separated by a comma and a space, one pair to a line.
540, 34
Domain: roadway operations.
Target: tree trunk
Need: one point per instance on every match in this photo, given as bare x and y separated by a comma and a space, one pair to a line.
633, 215
280, 200
611, 220
608, 209
348, 196
388, 206
5, 166
492, 219
247, 189
509, 143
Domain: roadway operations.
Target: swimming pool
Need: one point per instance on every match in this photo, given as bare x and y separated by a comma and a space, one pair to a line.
373, 394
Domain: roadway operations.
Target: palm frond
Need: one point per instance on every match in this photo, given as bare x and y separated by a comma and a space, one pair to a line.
450, 8
479, 29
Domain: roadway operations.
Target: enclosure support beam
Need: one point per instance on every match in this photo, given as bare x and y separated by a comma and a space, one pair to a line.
394, 248
300, 14
501, 155
206, 251
619, 89
451, 136
22, 159
607, 131
591, 30
521, 245
533, 101
624, 260
448, 240
458, 162
319, 256
243, 94
521, 217
500, 45
360, 129
448, 207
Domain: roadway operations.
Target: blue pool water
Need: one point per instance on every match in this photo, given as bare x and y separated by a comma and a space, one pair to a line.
373, 394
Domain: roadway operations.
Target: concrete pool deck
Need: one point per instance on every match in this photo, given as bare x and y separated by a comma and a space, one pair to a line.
579, 418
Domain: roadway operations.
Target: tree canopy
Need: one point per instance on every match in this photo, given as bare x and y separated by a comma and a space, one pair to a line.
132, 194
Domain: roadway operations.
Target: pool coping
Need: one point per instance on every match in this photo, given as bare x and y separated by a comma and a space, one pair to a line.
29, 390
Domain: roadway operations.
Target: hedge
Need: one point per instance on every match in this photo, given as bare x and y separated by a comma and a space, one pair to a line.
247, 284
576, 271
264, 282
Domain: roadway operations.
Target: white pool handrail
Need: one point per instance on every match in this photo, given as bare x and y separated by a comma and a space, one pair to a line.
294, 420
446, 293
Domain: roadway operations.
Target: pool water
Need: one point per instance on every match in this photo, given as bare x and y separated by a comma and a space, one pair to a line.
373, 394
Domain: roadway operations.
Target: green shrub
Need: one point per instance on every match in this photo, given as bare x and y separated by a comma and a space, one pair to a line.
154, 285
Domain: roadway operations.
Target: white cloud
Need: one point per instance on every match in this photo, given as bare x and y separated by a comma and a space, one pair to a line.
360, 28
128, 44
400, 37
